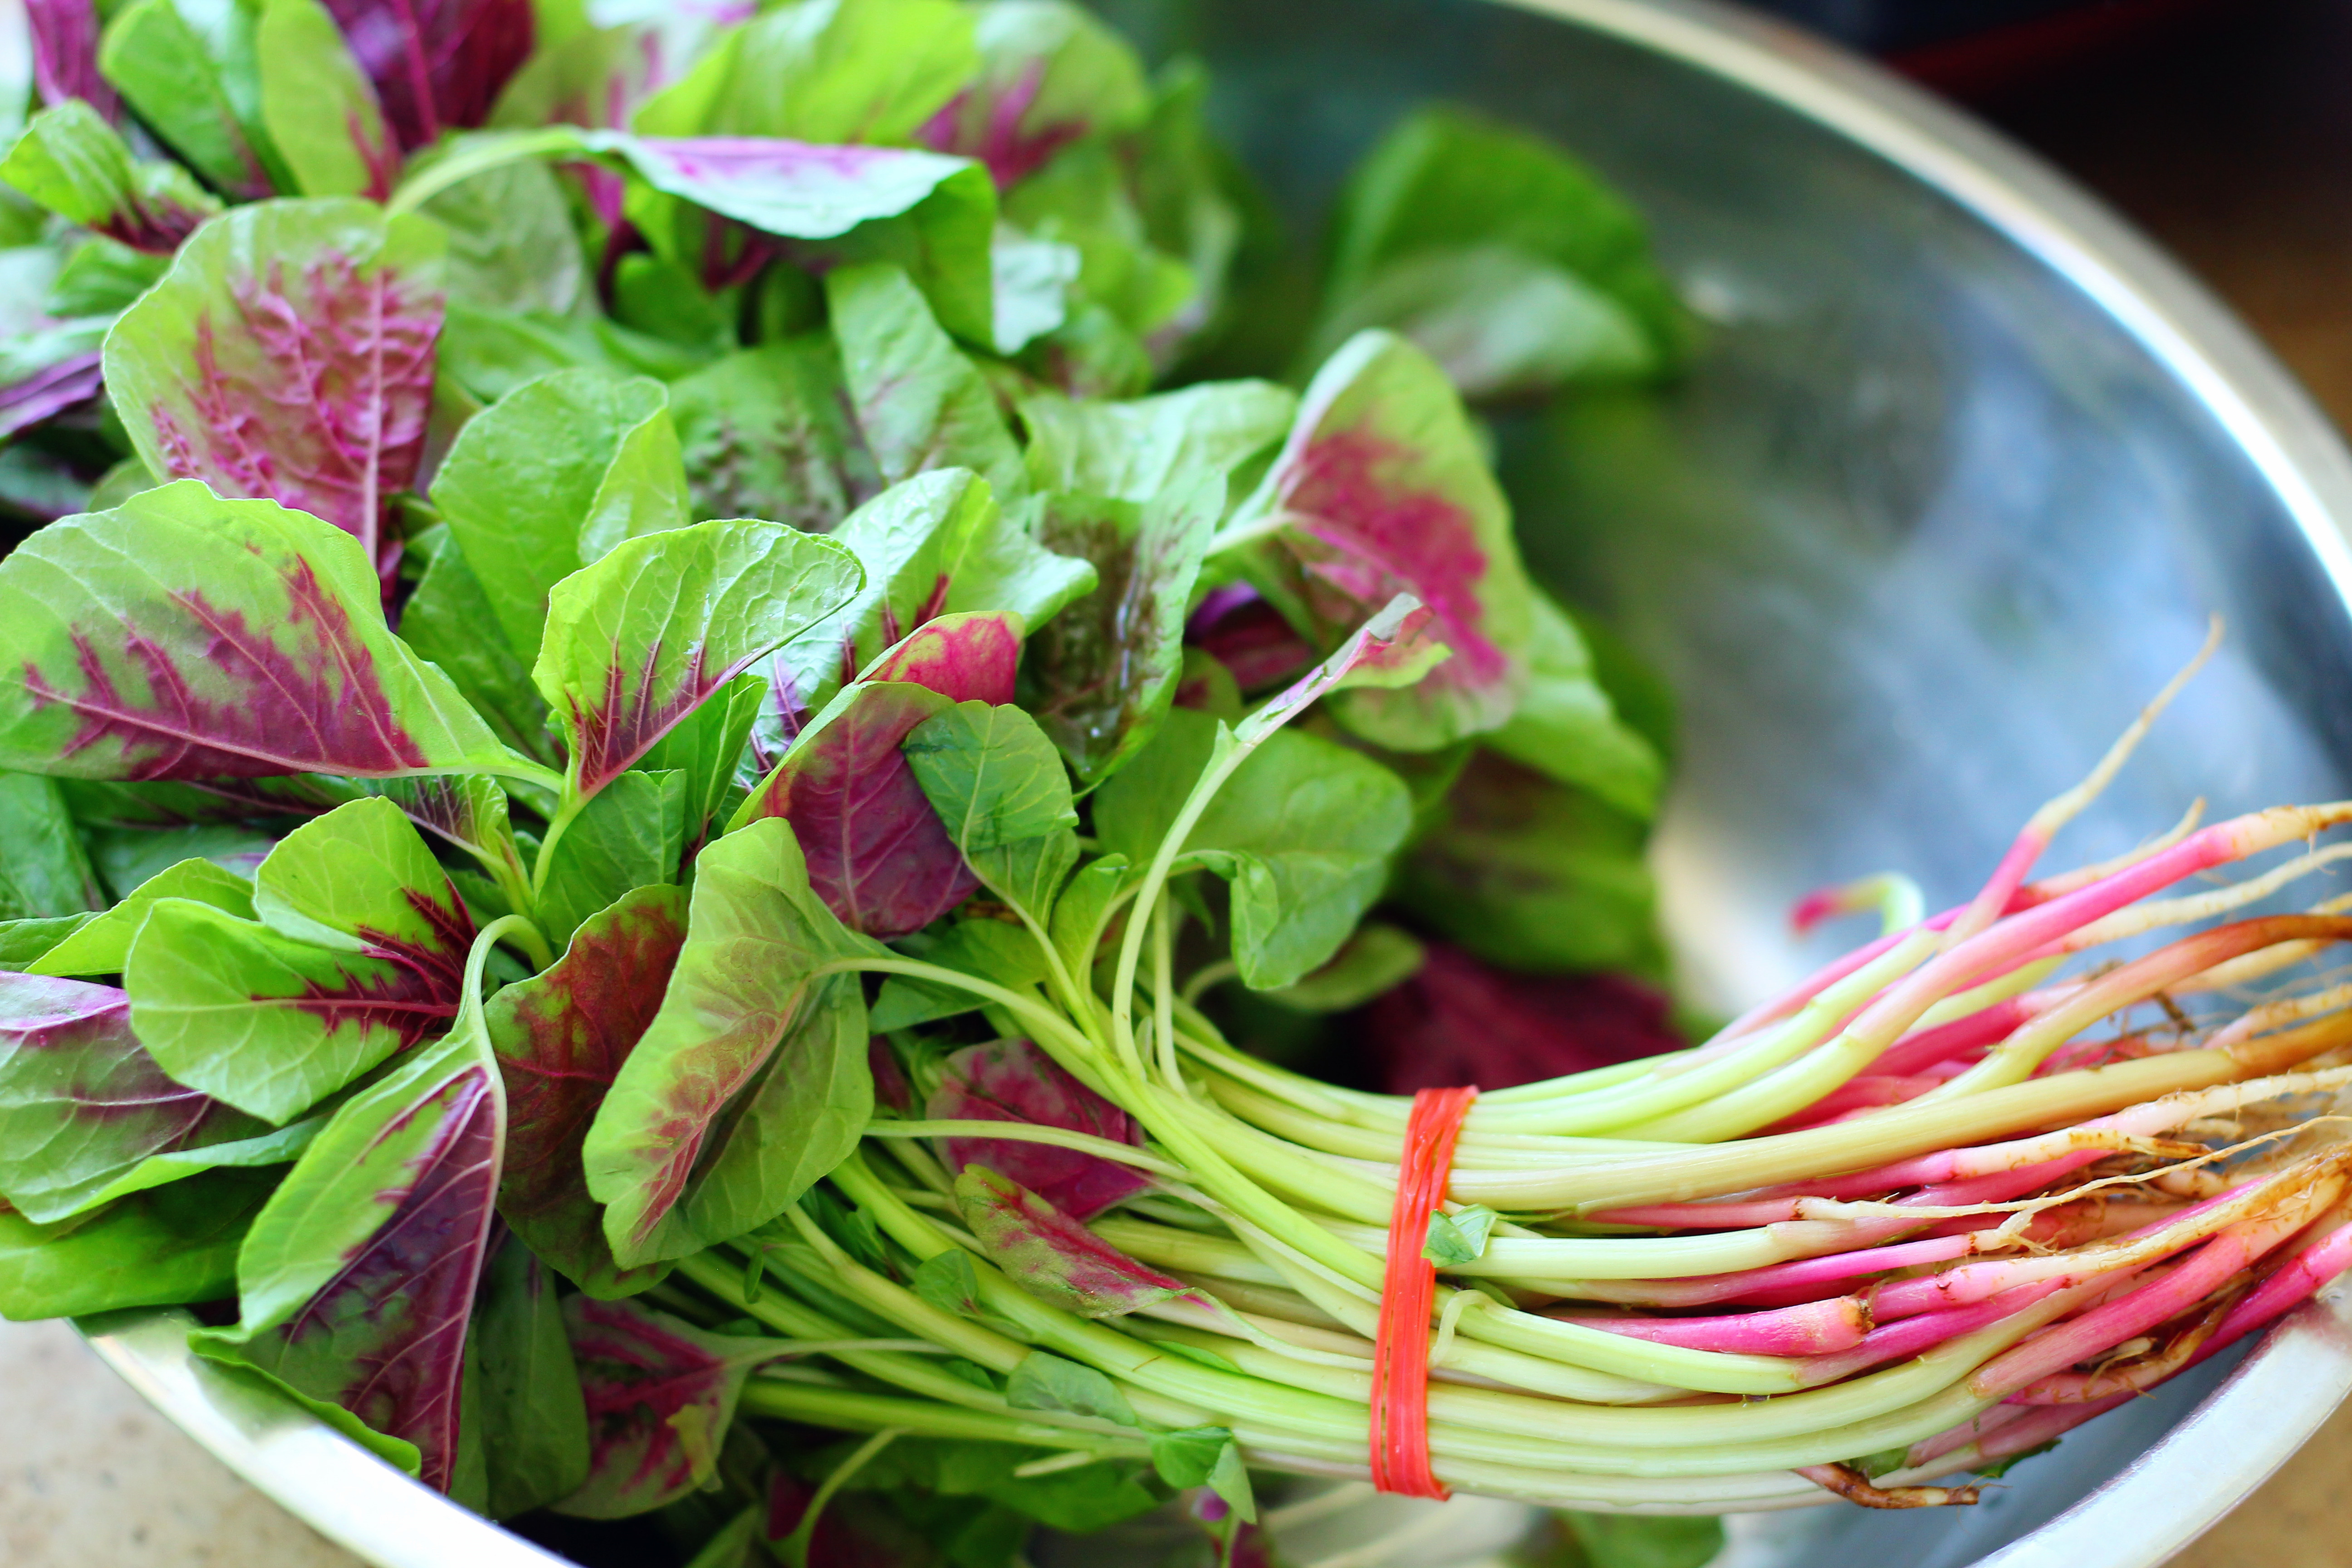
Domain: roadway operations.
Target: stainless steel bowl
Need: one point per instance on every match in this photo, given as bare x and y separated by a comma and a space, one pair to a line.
1960, 476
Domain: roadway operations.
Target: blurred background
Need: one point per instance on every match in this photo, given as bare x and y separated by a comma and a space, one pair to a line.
2224, 128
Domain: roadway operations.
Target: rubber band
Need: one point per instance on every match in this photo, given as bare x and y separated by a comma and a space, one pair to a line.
1400, 1426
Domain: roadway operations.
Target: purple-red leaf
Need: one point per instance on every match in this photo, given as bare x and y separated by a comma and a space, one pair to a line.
561, 1037
65, 54
357, 1280
51, 389
438, 65
1459, 1021
81, 1102
660, 1395
1052, 1255
1237, 627
877, 854
290, 353
1012, 1080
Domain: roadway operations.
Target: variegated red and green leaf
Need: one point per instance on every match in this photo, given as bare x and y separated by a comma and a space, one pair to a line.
359, 952
1050, 74
1381, 489
636, 642
290, 353
561, 1037
182, 636
81, 1102
660, 1394
1012, 1080
438, 65
752, 1081
1052, 1255
877, 852
357, 1280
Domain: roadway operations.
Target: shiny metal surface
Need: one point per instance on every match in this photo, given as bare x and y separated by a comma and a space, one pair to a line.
1959, 476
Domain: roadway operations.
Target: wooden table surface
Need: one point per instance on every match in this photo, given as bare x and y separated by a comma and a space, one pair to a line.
2227, 136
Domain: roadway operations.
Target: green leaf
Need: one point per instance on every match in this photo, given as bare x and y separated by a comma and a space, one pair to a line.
1565, 726
1383, 488
115, 667
990, 950
319, 106
206, 375
1030, 282
23, 942
101, 277
45, 873
1459, 1238
766, 433
1205, 1455
1304, 830
361, 879
1049, 72
707, 752
104, 946
1044, 1382
1378, 958
948, 1281
525, 1407
636, 641
512, 246
160, 1248
199, 90
1195, 1353
1636, 1541
444, 623
1447, 182
73, 162
1084, 910
630, 835
549, 479
920, 402
826, 72
1139, 449
937, 544
2008, 1462
752, 1081
1531, 875
281, 1146
128, 857
998, 785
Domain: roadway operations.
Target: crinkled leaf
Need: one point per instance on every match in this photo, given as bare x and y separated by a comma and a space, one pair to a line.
877, 854
920, 402
103, 945
550, 478
45, 873
438, 65
752, 1081
1049, 74
1137, 450
631, 835
195, 82
660, 1395
1460, 1021
1381, 489
319, 110
289, 353
81, 1102
1050, 1255
1566, 727
1012, 1080
824, 70
1304, 830
638, 640
182, 636
1377, 959
1532, 875
561, 1037
1046, 1381
74, 163
512, 246
356, 1280
935, 545
766, 434
995, 950
524, 1411
1446, 183
160, 1248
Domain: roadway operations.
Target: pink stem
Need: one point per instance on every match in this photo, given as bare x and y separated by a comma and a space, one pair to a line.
1816, 1328
1897, 1341
2297, 1282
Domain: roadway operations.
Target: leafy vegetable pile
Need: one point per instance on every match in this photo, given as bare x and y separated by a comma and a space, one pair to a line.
697, 780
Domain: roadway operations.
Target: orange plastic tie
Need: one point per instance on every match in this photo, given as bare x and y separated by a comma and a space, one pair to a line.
1399, 1434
